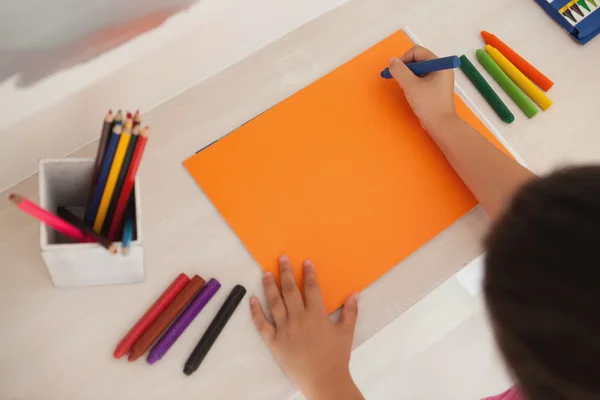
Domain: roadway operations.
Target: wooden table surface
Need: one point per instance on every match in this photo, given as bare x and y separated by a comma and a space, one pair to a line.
57, 344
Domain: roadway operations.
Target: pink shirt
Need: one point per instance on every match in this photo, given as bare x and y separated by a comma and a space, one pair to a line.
511, 394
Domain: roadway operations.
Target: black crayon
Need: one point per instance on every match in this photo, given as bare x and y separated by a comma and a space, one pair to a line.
569, 14
576, 8
215, 328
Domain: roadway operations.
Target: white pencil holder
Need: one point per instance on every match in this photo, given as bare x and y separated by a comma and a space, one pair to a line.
66, 183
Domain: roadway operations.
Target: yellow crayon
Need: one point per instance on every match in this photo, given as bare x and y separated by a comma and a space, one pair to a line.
113, 175
519, 79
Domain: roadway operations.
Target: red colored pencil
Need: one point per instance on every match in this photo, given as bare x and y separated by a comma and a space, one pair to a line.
148, 318
137, 118
53, 221
128, 184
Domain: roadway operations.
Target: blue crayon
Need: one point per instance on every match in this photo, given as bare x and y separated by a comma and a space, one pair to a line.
425, 67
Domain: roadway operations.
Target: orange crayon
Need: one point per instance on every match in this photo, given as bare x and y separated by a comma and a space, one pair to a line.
527, 69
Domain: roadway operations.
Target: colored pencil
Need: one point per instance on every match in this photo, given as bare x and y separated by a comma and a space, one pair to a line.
425, 67
53, 221
79, 224
128, 184
593, 3
519, 78
104, 135
525, 67
150, 315
113, 175
127, 235
92, 209
486, 90
509, 86
118, 120
166, 317
121, 180
137, 118
183, 321
215, 328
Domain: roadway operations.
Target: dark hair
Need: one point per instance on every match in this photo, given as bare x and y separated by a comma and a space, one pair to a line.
542, 285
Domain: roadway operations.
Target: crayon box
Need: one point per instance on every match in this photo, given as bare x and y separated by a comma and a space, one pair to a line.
580, 18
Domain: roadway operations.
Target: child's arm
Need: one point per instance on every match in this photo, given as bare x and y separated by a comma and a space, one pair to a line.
492, 176
312, 351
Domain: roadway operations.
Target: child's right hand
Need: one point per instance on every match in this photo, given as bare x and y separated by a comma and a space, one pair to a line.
432, 96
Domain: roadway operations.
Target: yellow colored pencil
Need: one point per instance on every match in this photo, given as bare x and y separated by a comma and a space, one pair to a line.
519, 78
113, 175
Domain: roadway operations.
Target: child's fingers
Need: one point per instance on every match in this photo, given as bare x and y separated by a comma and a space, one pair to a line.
263, 326
404, 76
349, 313
417, 53
274, 299
289, 288
312, 291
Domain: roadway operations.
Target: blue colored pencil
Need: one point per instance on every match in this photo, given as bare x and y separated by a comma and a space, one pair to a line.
111, 147
127, 235
425, 67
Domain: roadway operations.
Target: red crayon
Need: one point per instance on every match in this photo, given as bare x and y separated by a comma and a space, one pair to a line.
148, 318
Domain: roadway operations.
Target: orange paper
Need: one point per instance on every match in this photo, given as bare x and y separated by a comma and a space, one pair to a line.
341, 173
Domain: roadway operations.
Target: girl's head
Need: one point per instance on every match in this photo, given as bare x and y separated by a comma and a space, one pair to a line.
542, 285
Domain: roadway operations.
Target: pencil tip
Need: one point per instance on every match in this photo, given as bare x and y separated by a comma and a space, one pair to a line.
128, 115
113, 249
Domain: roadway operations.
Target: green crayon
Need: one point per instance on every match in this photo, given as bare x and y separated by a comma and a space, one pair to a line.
593, 3
583, 4
507, 84
486, 90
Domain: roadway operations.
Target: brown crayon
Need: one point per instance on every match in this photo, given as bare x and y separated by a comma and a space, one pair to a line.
166, 317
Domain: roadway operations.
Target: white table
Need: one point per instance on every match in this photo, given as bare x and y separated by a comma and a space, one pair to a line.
57, 344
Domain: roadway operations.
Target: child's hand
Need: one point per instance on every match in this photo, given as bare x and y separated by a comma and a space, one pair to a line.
313, 351
432, 96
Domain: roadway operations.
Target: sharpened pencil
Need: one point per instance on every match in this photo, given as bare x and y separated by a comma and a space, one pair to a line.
104, 135
121, 179
72, 219
113, 174
92, 209
128, 184
53, 221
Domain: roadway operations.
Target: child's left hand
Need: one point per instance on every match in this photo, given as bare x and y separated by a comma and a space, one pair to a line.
313, 351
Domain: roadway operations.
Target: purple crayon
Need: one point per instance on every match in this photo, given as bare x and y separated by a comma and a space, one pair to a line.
183, 321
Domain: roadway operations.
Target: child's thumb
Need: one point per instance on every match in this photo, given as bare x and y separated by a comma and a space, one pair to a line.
402, 74
349, 313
